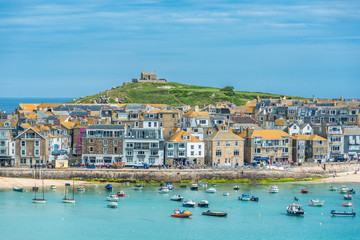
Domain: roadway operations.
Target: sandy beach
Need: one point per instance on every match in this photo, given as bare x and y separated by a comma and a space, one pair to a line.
345, 177
28, 182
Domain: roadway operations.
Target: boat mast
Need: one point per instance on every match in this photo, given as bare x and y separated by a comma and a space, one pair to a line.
73, 190
43, 188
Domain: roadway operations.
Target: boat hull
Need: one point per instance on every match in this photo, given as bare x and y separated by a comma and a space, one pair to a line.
68, 200
215, 214
39, 201
184, 215
293, 213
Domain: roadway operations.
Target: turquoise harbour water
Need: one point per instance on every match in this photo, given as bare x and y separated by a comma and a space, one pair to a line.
145, 214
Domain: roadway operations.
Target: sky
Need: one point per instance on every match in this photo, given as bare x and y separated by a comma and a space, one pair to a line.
78, 48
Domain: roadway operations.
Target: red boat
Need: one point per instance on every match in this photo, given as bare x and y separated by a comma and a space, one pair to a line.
121, 194
183, 214
304, 190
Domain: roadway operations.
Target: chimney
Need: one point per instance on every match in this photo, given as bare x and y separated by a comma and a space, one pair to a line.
248, 132
196, 108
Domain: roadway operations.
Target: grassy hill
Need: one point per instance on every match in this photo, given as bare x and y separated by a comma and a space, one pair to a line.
176, 94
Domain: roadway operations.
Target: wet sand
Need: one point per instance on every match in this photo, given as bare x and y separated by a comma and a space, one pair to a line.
346, 177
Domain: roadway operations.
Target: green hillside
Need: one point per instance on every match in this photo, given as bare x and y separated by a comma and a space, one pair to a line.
176, 94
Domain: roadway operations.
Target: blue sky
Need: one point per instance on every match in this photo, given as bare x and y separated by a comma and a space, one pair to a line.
77, 48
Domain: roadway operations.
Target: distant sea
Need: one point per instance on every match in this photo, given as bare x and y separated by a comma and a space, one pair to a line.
9, 104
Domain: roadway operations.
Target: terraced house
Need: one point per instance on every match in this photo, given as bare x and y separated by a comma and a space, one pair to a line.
309, 148
31, 147
267, 145
8, 130
102, 144
184, 149
224, 148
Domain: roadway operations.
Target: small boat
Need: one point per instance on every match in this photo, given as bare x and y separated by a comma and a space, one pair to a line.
169, 185
181, 214
18, 189
66, 198
80, 189
236, 188
39, 200
176, 198
121, 194
254, 199
351, 191
215, 214
347, 204
274, 189
113, 198
304, 190
244, 197
226, 194
348, 197
164, 190
189, 203
343, 214
211, 190
53, 187
194, 187
203, 203
138, 187
183, 186
108, 187
214, 185
316, 202
332, 188
295, 210
112, 205
204, 185
343, 189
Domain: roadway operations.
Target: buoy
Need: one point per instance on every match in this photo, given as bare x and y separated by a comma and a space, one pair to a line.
133, 230
322, 214
80, 195
152, 207
263, 222
128, 195
320, 223
259, 214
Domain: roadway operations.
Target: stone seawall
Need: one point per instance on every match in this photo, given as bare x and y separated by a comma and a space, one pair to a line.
150, 174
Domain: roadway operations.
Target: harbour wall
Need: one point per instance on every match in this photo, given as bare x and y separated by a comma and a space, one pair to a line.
176, 175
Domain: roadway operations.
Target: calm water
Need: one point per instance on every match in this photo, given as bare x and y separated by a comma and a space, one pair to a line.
146, 215
9, 104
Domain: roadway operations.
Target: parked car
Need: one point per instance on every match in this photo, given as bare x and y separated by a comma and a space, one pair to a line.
141, 165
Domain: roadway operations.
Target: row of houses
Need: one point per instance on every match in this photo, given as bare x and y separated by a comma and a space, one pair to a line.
217, 134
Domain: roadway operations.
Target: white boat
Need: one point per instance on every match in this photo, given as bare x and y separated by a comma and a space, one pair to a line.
66, 198
295, 210
194, 187
53, 187
176, 198
332, 188
164, 190
112, 205
39, 200
347, 204
189, 203
344, 189
244, 197
274, 189
80, 189
138, 187
113, 198
316, 202
203, 203
211, 190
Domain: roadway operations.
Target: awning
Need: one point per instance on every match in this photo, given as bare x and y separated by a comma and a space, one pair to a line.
261, 158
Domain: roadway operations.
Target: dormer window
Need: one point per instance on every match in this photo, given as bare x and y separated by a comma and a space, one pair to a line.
7, 124
82, 123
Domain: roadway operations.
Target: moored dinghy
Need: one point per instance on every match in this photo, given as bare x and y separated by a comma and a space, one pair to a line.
138, 187
332, 188
274, 189
108, 187
181, 214
203, 203
189, 203
176, 198
18, 189
215, 214
211, 190
53, 187
194, 187
343, 214
112, 205
347, 204
316, 202
304, 190
113, 198
121, 194
348, 197
236, 188
164, 190
343, 189
244, 197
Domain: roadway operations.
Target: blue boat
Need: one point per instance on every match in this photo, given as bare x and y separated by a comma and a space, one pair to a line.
244, 197
169, 185
343, 214
108, 187
17, 189
351, 191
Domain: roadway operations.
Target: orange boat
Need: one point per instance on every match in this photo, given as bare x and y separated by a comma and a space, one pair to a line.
183, 214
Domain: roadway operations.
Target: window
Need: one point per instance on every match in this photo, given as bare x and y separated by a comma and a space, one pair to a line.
170, 154
170, 145
236, 144
199, 146
257, 150
23, 143
161, 115
352, 119
2, 143
173, 115
154, 152
129, 153
141, 152
22, 160
161, 124
218, 144
23, 152
149, 124
236, 153
129, 159
115, 142
91, 140
331, 119
202, 121
37, 143
3, 151
218, 162
181, 153
115, 150
285, 150
257, 140
199, 153
333, 112
155, 124
335, 139
192, 146
105, 142
218, 152
91, 149
151, 160
228, 144
37, 152
105, 150
129, 145
136, 124
192, 153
